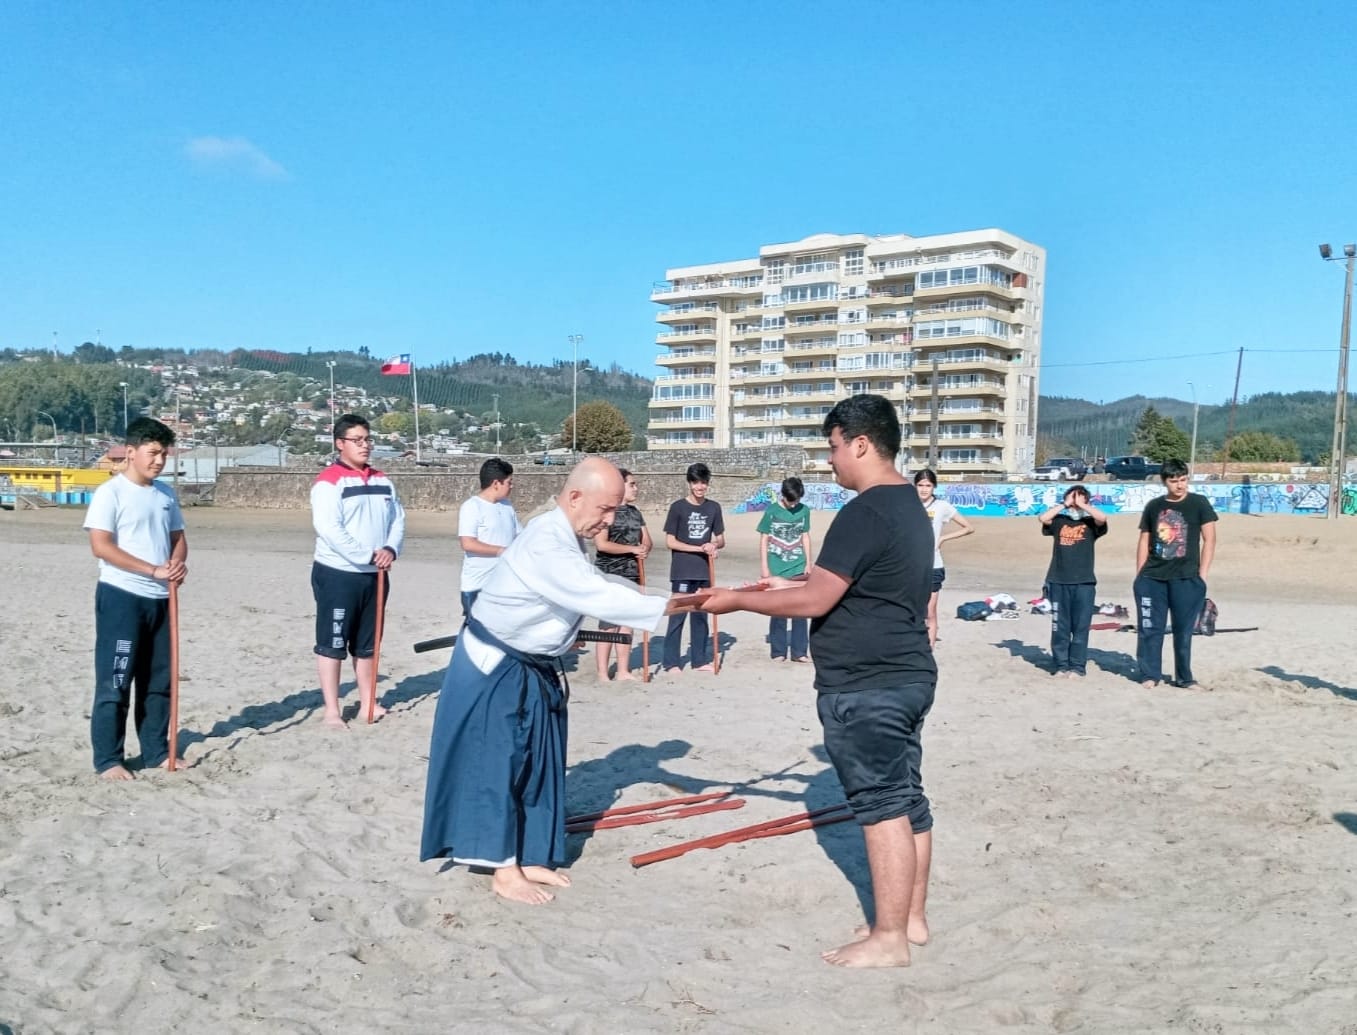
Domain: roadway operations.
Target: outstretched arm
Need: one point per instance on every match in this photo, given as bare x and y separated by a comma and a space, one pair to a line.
821, 590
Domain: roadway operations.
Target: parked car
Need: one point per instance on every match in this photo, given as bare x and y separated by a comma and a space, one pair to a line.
1131, 469
1073, 467
1048, 473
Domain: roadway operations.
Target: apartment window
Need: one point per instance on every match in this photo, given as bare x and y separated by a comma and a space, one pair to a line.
851, 338
698, 412
810, 293
852, 263
963, 275
818, 263
852, 315
772, 300
851, 363
857, 387
960, 456
773, 323
774, 272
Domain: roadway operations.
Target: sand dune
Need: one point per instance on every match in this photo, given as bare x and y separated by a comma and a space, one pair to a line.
1108, 859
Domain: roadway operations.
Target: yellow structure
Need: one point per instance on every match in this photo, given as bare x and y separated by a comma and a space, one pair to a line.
40, 478
948, 327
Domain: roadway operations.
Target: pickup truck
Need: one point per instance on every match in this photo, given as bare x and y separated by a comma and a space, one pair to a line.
1131, 469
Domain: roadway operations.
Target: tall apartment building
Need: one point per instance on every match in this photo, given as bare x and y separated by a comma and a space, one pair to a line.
757, 351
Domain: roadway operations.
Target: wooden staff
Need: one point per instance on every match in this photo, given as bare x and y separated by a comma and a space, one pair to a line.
648, 806
771, 828
715, 628
654, 816
645, 633
377, 643
174, 676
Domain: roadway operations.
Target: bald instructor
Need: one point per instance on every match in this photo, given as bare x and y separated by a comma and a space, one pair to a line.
495, 796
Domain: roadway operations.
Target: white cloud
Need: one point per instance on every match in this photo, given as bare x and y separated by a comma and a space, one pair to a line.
234, 153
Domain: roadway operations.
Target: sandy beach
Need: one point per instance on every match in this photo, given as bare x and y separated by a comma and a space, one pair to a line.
1107, 858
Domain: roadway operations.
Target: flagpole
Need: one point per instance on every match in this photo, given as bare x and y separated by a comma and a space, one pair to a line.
414, 384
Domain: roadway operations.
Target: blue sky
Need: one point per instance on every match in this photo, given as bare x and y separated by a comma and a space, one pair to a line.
445, 179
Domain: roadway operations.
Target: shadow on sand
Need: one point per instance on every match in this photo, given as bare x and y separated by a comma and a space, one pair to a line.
1309, 682
1346, 820
1113, 662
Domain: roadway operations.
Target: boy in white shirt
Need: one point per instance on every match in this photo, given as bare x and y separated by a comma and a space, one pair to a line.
136, 531
486, 524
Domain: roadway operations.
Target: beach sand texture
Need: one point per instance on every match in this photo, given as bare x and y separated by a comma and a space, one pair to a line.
1107, 858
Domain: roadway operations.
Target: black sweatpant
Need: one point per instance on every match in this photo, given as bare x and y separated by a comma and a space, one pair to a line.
131, 649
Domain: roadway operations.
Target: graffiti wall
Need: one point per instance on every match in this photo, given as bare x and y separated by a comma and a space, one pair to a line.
1027, 499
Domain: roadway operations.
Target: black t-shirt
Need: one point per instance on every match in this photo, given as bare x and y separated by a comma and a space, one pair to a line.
1175, 535
626, 530
1072, 551
876, 636
693, 524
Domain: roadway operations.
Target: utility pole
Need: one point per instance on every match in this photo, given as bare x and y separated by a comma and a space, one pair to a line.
331, 364
496, 398
1229, 427
575, 340
1192, 459
1338, 455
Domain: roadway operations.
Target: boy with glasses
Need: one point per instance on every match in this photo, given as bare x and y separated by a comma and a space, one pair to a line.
360, 526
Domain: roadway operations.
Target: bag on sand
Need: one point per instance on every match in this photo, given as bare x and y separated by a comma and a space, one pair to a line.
1206, 620
974, 611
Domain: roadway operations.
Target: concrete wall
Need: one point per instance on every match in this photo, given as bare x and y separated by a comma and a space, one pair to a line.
737, 475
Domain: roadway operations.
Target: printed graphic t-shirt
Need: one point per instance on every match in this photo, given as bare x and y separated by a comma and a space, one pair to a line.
694, 525
939, 513
784, 528
1072, 551
1175, 535
626, 530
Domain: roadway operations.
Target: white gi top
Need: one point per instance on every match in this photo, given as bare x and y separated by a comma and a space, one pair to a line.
141, 518
542, 588
492, 523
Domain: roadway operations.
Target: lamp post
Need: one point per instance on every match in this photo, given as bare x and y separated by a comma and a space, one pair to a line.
496, 398
1192, 459
575, 340
331, 364
44, 413
123, 386
1340, 409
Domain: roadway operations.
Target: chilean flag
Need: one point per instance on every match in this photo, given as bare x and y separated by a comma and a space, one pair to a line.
397, 364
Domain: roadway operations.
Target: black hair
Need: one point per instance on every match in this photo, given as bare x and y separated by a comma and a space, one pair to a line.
347, 423
870, 415
624, 473
1172, 469
495, 470
793, 489
699, 472
926, 475
148, 429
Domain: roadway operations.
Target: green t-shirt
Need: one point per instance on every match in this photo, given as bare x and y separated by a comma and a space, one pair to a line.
784, 529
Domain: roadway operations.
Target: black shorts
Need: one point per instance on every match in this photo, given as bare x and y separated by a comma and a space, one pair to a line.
939, 577
346, 611
874, 740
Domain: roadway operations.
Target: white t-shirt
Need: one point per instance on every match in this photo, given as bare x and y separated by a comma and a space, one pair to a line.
492, 523
141, 519
939, 512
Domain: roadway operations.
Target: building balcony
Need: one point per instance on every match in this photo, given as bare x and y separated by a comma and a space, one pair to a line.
712, 287
700, 357
985, 388
688, 313
813, 348
811, 306
804, 420
659, 422
701, 334
695, 438
756, 376
891, 322
923, 363
981, 440
756, 420
815, 373
748, 332
706, 375
802, 398
927, 294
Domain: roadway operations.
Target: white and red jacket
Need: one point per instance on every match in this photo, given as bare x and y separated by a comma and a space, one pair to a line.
355, 513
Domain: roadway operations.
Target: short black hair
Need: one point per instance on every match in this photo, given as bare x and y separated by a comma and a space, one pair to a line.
926, 475
624, 473
148, 429
347, 423
1172, 469
870, 415
793, 489
495, 470
699, 472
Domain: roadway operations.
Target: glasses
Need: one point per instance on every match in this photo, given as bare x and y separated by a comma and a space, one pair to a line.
366, 440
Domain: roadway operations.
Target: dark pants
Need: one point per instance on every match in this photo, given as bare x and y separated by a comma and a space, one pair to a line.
131, 649
346, 611
800, 636
1156, 601
1071, 615
700, 644
468, 598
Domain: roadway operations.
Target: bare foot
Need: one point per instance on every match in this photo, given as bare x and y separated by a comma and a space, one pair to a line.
803, 660
916, 932
1193, 686
179, 763
334, 721
1150, 684
626, 677
377, 712
603, 677
705, 668
876, 950
546, 875
116, 772
509, 882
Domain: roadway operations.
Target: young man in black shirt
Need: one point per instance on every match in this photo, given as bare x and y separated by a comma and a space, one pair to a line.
1173, 556
867, 595
694, 530
1076, 525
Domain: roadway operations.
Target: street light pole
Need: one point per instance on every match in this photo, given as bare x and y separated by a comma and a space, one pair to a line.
44, 413
123, 386
331, 364
1340, 410
1192, 460
496, 398
575, 340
